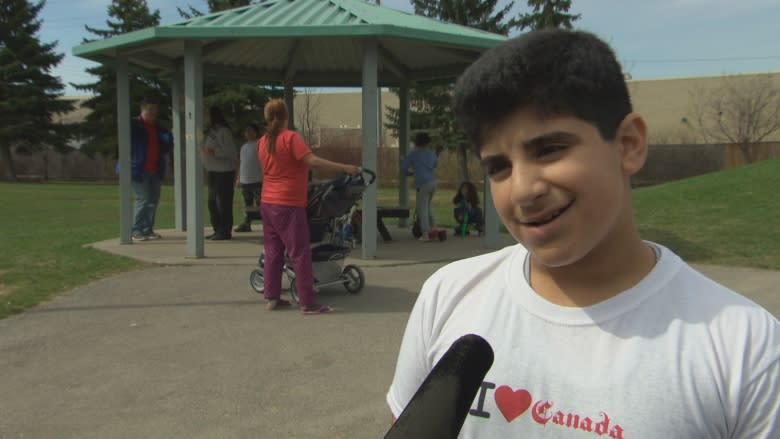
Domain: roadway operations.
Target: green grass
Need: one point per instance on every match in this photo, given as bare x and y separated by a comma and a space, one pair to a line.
728, 218
724, 218
44, 229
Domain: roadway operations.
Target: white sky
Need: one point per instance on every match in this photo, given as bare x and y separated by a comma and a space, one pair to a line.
652, 38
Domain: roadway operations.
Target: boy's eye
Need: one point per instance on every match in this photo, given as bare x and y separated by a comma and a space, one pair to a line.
550, 149
495, 165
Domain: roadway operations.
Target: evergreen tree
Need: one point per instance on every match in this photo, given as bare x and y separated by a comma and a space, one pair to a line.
99, 128
214, 6
430, 104
479, 14
548, 14
29, 94
240, 103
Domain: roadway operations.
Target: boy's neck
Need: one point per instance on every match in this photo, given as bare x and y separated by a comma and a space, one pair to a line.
604, 273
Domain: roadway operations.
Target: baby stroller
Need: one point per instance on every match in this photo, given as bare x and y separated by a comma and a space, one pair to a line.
328, 202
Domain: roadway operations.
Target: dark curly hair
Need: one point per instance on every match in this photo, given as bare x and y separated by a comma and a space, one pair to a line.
422, 138
555, 72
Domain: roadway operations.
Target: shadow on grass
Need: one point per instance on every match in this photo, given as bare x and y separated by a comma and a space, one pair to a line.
686, 249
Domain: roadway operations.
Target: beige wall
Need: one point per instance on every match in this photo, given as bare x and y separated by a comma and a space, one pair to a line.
665, 102
662, 102
344, 110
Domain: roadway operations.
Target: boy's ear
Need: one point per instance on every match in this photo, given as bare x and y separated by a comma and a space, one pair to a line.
632, 138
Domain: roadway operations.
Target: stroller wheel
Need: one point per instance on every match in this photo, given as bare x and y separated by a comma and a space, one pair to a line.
294, 292
354, 279
256, 281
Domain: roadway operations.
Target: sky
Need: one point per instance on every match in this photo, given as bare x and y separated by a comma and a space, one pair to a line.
653, 39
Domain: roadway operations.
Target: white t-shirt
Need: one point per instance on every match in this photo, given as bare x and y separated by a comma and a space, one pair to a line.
676, 356
220, 140
250, 171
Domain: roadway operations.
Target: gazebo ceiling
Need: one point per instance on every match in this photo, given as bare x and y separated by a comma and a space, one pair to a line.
305, 42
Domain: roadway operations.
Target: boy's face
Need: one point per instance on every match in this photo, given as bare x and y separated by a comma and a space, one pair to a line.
250, 133
149, 112
559, 188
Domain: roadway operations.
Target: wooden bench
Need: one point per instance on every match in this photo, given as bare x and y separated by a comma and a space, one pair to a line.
389, 212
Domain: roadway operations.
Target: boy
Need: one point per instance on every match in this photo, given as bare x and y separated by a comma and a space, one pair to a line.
250, 177
596, 332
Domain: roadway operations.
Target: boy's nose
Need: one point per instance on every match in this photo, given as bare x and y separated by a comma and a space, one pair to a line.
527, 185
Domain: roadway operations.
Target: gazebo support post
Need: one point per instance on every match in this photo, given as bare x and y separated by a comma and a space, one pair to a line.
179, 162
123, 138
193, 121
403, 146
370, 142
289, 99
491, 217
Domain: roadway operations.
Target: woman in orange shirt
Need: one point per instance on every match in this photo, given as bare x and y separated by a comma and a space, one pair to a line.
285, 159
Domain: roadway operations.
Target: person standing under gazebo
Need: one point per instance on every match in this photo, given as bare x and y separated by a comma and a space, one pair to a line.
220, 158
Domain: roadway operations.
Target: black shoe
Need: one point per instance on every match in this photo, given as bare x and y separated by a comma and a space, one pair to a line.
219, 237
243, 228
211, 236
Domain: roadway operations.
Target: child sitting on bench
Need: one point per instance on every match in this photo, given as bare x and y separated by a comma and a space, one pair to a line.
467, 211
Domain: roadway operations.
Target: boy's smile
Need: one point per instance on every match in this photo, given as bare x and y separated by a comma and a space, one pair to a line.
546, 217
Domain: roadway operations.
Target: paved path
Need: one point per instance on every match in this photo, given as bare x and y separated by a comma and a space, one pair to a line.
188, 350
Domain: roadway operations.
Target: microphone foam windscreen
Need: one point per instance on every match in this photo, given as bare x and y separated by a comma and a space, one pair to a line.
441, 403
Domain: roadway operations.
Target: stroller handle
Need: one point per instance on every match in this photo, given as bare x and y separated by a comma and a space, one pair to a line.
370, 173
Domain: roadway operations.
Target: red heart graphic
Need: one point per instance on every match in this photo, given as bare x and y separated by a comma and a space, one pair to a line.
512, 403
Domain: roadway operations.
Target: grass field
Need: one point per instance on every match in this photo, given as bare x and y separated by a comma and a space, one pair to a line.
728, 218
723, 218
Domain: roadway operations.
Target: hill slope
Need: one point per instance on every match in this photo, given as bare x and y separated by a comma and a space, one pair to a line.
729, 217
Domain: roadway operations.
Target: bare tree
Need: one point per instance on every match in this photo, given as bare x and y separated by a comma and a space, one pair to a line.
307, 107
741, 111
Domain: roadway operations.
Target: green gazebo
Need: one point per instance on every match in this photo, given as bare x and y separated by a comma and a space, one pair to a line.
305, 43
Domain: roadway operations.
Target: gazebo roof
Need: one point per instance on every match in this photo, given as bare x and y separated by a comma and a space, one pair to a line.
308, 42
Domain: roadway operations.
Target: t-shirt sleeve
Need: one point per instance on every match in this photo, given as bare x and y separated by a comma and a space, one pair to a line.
412, 366
298, 146
759, 407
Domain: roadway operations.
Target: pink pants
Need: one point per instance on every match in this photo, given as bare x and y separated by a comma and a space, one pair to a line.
286, 227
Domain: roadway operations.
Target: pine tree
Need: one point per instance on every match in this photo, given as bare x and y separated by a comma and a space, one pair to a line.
479, 14
240, 103
430, 104
99, 128
548, 14
29, 94
214, 6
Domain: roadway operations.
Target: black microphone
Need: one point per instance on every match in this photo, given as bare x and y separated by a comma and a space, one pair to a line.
442, 402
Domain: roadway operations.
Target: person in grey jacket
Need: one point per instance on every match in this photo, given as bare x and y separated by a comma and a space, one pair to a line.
220, 158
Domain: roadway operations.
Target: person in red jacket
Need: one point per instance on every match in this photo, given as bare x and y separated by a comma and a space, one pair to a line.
150, 145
